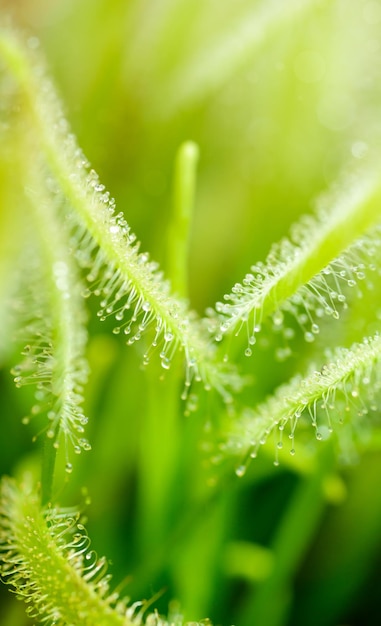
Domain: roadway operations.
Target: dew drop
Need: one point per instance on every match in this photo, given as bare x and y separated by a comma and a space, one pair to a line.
116, 330
50, 434
248, 352
68, 468
278, 318
85, 445
315, 329
240, 471
289, 333
309, 337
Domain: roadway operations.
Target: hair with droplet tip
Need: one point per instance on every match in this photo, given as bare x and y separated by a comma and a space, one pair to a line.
306, 276
348, 382
129, 284
52, 321
47, 560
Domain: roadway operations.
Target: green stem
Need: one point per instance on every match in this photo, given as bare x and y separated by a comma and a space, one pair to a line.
159, 467
179, 230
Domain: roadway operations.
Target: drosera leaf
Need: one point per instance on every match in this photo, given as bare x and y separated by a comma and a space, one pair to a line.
132, 289
344, 389
47, 560
54, 327
307, 274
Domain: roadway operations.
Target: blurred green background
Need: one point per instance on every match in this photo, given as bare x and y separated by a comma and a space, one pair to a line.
280, 97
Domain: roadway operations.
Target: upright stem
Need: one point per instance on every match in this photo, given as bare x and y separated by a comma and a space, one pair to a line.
179, 230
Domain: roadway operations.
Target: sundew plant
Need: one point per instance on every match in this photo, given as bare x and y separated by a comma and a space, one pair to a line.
190, 337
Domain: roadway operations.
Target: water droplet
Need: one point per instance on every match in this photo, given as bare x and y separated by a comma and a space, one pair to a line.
289, 333
309, 337
25, 420
315, 329
278, 318
248, 352
68, 468
85, 445
240, 471
50, 434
